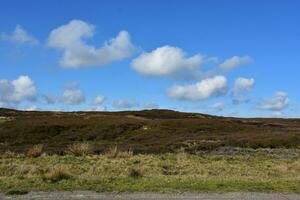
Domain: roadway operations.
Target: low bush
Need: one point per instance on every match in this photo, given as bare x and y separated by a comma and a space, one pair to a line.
35, 151
56, 174
78, 149
136, 172
114, 152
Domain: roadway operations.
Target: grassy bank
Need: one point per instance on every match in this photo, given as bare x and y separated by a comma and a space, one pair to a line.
165, 172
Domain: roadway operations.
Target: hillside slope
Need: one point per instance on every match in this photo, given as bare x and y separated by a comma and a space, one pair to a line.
148, 131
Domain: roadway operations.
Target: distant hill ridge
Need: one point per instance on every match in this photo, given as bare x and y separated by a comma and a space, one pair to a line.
146, 131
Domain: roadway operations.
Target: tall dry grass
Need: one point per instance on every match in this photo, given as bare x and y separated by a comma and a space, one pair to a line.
56, 174
136, 171
35, 151
78, 149
115, 152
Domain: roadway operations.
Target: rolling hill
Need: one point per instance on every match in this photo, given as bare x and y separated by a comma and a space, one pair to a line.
147, 131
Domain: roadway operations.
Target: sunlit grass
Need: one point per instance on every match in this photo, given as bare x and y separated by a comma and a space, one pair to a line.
166, 172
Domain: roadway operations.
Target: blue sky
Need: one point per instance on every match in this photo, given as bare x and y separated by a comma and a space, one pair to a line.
232, 58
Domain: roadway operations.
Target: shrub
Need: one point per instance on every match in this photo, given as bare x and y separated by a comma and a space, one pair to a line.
136, 172
35, 151
169, 170
114, 152
56, 174
125, 154
78, 149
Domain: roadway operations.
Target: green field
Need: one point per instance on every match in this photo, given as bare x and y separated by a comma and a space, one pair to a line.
163, 173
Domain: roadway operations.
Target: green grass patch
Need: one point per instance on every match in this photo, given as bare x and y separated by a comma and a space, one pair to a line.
158, 173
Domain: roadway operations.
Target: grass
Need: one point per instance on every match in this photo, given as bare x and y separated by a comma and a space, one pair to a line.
35, 151
4, 119
78, 149
56, 174
114, 152
136, 172
173, 151
162, 173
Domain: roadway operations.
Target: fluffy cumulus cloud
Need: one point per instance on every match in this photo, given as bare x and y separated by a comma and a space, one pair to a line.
71, 39
217, 107
19, 36
166, 60
17, 91
99, 100
124, 104
277, 114
276, 103
241, 87
235, 61
73, 97
97, 104
215, 86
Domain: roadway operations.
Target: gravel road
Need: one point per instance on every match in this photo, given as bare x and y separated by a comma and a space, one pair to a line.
89, 195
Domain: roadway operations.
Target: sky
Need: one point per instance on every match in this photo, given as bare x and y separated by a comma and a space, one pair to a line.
220, 57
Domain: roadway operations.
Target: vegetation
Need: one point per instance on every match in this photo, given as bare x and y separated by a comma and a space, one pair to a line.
3, 119
56, 174
35, 151
164, 172
17, 192
114, 152
78, 149
149, 131
136, 171
173, 151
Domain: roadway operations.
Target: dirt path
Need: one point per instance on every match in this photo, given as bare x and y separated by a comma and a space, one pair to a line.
89, 195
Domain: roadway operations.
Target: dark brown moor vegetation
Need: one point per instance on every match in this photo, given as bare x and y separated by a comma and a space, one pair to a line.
149, 131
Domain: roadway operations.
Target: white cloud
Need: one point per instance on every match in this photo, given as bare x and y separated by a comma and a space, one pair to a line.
124, 104
99, 100
235, 61
97, 108
19, 36
204, 89
166, 60
71, 39
241, 87
72, 94
277, 114
276, 103
16, 91
32, 108
150, 105
73, 97
218, 107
